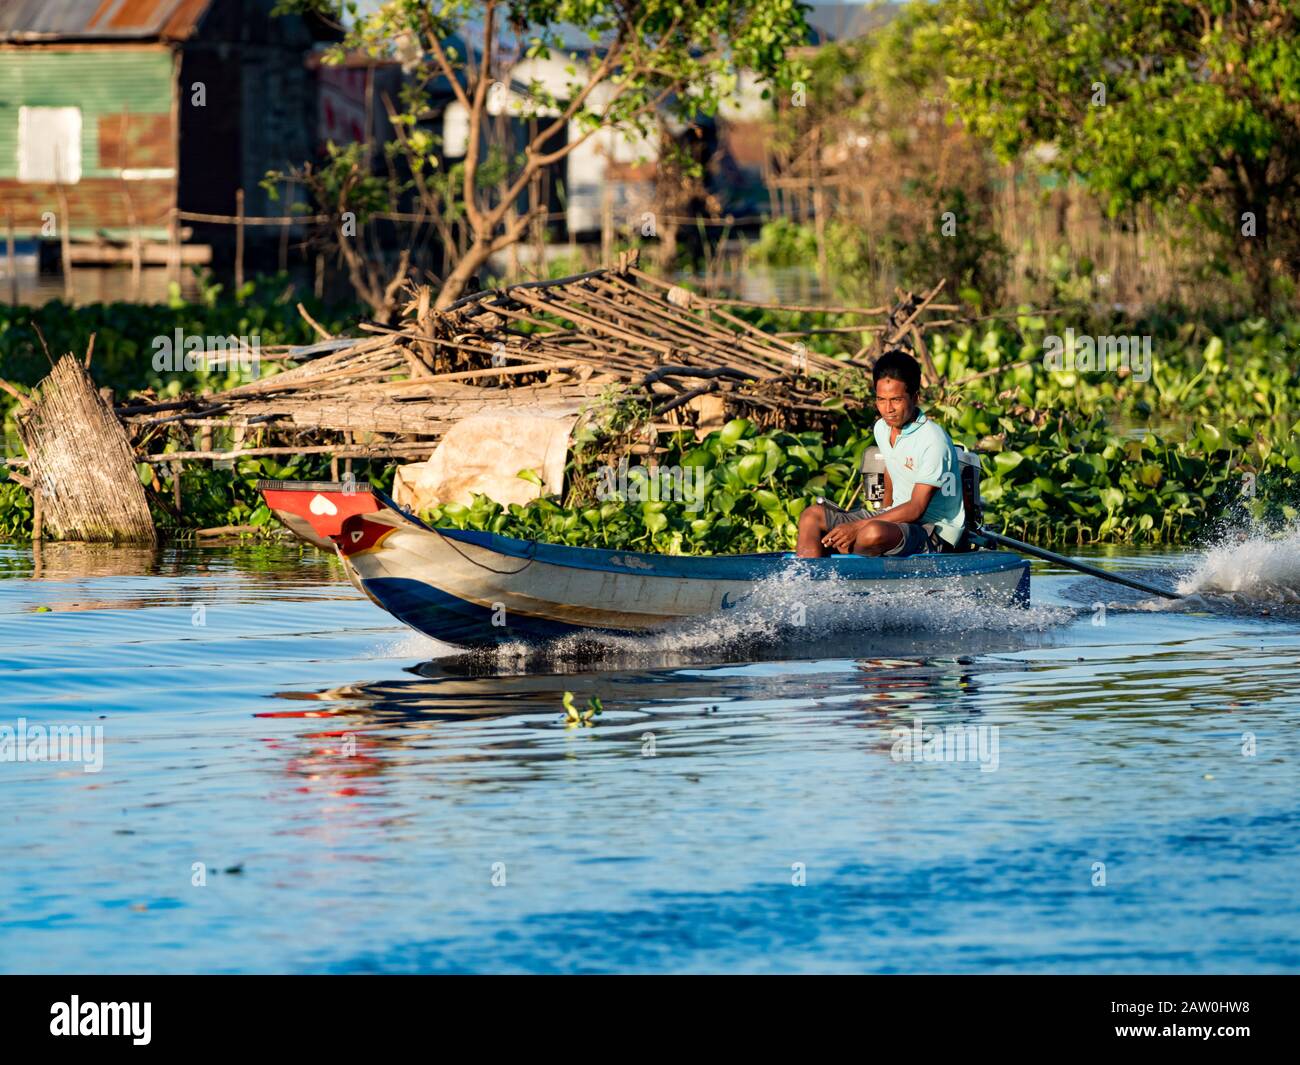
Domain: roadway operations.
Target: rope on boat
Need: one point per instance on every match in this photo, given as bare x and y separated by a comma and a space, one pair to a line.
415, 520
532, 557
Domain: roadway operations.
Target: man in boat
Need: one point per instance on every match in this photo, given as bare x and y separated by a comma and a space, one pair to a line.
922, 509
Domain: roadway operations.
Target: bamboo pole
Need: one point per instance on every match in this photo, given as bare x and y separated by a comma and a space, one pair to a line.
174, 246
415, 447
918, 343
65, 242
694, 330
606, 220
819, 215
239, 238
11, 257
907, 323
320, 329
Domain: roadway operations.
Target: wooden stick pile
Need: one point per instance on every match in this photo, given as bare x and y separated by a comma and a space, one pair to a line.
551, 347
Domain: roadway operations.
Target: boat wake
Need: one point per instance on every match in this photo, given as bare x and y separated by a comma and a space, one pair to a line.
1249, 567
793, 615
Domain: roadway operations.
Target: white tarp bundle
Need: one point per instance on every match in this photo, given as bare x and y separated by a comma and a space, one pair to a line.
483, 454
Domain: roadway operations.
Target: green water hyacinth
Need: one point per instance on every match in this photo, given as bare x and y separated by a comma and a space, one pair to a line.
576, 718
1067, 457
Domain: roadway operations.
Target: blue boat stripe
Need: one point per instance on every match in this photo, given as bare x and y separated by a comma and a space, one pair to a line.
452, 620
741, 567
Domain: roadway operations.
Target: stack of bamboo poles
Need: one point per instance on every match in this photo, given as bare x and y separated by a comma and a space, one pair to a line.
549, 348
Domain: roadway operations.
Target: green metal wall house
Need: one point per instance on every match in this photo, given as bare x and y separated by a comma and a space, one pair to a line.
119, 112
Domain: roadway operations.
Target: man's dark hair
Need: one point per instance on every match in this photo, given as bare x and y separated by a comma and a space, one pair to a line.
898, 366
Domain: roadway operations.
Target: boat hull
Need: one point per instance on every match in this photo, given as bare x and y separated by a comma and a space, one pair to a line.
477, 589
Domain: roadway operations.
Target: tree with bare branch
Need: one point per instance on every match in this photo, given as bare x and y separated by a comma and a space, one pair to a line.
637, 62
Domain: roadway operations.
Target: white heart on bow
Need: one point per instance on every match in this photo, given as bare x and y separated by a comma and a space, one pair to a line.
321, 505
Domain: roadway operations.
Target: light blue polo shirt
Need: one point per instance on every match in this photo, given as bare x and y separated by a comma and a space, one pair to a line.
924, 455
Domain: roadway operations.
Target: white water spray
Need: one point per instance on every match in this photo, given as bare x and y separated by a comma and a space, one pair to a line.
795, 612
1249, 565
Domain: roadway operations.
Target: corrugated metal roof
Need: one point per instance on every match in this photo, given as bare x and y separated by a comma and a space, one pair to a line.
90, 20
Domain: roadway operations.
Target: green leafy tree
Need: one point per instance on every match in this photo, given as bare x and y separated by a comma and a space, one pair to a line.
646, 59
1189, 107
912, 191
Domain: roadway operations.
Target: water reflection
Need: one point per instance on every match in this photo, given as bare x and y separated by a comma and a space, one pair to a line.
60, 561
369, 728
167, 576
482, 685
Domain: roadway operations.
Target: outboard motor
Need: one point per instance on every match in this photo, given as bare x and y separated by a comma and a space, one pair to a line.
968, 464
971, 467
873, 477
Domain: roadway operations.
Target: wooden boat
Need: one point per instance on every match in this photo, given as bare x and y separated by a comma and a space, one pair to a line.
480, 589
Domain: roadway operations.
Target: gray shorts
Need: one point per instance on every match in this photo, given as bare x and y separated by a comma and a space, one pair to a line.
917, 539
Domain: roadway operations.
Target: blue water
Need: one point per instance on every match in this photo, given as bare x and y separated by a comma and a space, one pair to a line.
362, 803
